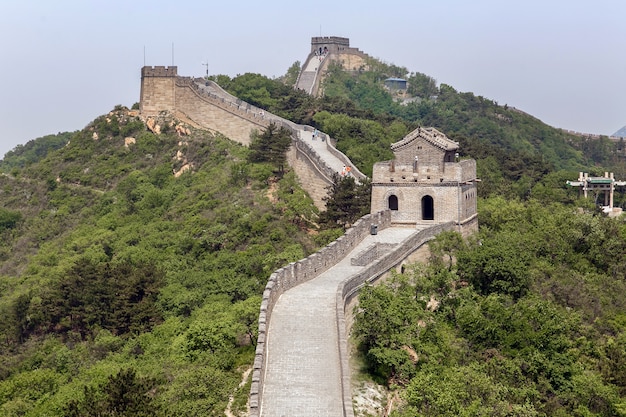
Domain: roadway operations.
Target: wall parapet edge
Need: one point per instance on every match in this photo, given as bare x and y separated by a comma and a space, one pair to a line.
349, 287
296, 273
159, 71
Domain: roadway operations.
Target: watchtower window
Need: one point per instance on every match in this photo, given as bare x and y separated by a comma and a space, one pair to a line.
393, 202
428, 208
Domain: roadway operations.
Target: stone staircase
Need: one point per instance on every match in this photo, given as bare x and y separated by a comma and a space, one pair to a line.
306, 81
309, 76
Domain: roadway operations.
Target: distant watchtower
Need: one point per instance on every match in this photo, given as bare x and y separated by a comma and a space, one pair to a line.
158, 90
425, 184
329, 44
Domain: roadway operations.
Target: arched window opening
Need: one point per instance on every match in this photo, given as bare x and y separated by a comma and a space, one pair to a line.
393, 202
428, 208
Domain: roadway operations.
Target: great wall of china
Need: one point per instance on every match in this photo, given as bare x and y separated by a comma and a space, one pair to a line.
301, 363
209, 106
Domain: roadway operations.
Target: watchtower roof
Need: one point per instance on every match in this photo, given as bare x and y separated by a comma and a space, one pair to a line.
429, 134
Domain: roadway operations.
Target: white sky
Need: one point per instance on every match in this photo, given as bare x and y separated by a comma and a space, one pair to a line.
66, 62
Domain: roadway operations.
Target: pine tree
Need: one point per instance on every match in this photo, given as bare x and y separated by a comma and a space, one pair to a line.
271, 146
123, 395
347, 201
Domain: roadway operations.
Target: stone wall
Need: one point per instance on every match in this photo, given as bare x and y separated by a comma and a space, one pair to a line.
371, 253
338, 50
452, 201
313, 179
158, 90
349, 288
311, 267
297, 273
424, 184
334, 44
163, 90
234, 120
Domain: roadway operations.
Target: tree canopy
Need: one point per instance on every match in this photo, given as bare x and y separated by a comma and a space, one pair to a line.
128, 290
271, 146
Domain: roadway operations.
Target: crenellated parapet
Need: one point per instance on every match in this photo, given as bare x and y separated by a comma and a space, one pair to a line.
324, 50
158, 90
159, 71
299, 272
329, 44
208, 105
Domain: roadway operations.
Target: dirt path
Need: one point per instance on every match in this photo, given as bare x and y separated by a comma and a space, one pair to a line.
244, 379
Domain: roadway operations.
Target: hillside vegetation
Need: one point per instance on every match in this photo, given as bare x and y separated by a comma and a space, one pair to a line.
524, 319
131, 270
515, 152
527, 317
119, 278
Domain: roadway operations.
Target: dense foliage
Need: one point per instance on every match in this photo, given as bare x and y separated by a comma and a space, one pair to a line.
128, 290
271, 146
131, 272
524, 320
33, 151
347, 201
529, 320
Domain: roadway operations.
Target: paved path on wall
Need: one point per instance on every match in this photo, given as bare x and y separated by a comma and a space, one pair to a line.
320, 147
308, 74
303, 370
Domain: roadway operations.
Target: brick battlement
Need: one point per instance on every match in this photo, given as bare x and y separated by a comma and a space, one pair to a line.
333, 44
159, 71
330, 39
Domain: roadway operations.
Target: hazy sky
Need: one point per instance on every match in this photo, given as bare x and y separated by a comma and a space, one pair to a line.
64, 62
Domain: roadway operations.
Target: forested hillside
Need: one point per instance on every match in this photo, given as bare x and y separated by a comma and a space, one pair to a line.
524, 319
120, 279
527, 317
131, 270
515, 151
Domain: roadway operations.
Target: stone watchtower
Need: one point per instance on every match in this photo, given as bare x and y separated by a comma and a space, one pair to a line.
329, 44
158, 90
425, 183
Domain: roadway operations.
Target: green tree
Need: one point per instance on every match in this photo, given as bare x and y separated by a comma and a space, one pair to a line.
498, 264
120, 298
445, 245
247, 316
123, 395
422, 85
347, 202
291, 76
271, 146
9, 219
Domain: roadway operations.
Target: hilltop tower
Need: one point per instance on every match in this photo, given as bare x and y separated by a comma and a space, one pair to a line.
324, 50
425, 183
158, 90
329, 44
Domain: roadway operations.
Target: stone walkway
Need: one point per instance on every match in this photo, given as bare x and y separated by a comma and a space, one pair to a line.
320, 147
308, 74
303, 371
